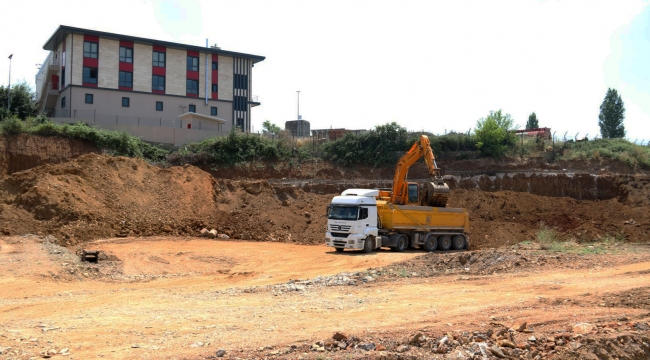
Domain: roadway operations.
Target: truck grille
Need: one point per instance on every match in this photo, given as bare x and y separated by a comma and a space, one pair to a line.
340, 228
340, 235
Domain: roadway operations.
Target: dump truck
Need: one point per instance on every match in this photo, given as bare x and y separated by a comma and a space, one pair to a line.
408, 215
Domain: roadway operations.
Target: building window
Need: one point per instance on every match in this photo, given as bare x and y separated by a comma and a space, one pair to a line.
90, 49
126, 54
90, 75
158, 83
239, 103
126, 102
89, 98
63, 102
213, 111
240, 123
192, 86
192, 108
241, 81
62, 78
159, 106
215, 65
126, 79
192, 63
215, 88
158, 59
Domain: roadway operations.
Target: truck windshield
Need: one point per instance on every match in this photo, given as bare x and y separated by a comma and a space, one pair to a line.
341, 212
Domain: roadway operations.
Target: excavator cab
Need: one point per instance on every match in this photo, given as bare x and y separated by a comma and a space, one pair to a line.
413, 194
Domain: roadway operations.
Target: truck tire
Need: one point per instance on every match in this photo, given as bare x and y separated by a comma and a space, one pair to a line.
430, 242
339, 249
368, 245
444, 243
402, 244
458, 242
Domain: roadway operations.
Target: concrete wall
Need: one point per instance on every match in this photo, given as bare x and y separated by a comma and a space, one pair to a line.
77, 55
142, 64
166, 135
107, 105
59, 111
176, 72
225, 77
108, 67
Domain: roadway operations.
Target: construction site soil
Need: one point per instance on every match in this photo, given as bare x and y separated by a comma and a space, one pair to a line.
99, 196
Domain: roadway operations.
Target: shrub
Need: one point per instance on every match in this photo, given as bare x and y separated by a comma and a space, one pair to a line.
13, 126
546, 237
494, 134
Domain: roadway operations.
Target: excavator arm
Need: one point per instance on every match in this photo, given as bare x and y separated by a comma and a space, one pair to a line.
438, 191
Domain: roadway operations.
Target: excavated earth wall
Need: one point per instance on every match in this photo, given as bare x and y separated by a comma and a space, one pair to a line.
21, 152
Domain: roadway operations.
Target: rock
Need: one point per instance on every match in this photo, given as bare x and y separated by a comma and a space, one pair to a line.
463, 259
307, 214
583, 328
245, 236
642, 326
444, 340
342, 345
622, 318
166, 228
380, 347
497, 352
221, 353
368, 279
415, 340
402, 348
52, 351
507, 343
223, 236
212, 234
367, 347
286, 202
135, 346
63, 351
532, 339
204, 232
339, 336
489, 333
519, 327
196, 344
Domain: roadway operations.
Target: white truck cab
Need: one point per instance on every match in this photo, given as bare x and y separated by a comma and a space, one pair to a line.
352, 221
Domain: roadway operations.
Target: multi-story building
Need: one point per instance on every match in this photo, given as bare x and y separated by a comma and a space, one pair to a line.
125, 79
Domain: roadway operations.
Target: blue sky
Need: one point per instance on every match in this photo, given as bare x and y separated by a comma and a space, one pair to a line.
429, 65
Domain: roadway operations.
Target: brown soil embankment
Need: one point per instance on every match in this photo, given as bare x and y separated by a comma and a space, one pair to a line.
98, 196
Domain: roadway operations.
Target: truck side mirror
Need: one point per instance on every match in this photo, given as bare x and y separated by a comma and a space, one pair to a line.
327, 211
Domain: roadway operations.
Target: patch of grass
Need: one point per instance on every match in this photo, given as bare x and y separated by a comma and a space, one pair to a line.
615, 149
547, 237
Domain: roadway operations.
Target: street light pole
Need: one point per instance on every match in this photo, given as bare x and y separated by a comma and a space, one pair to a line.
9, 86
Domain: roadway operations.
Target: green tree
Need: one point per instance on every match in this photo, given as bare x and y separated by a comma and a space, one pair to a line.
494, 134
612, 114
270, 128
23, 101
532, 122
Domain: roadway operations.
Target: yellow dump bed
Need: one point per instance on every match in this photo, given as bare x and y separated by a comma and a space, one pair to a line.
421, 218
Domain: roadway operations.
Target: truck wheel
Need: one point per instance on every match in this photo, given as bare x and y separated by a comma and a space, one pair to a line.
458, 242
401, 244
368, 245
444, 243
430, 242
339, 249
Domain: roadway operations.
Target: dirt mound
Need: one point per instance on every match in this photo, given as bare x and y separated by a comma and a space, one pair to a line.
506, 217
97, 196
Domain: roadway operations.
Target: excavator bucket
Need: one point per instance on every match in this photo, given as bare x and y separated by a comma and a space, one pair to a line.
437, 194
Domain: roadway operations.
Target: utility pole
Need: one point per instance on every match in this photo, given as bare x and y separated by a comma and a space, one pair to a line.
298, 115
9, 86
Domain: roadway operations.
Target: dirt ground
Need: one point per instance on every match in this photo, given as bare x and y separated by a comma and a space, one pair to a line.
188, 298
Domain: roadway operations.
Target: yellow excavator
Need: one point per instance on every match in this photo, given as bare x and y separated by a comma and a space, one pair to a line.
434, 193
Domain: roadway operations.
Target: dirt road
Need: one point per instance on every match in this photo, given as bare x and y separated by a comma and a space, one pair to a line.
186, 298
